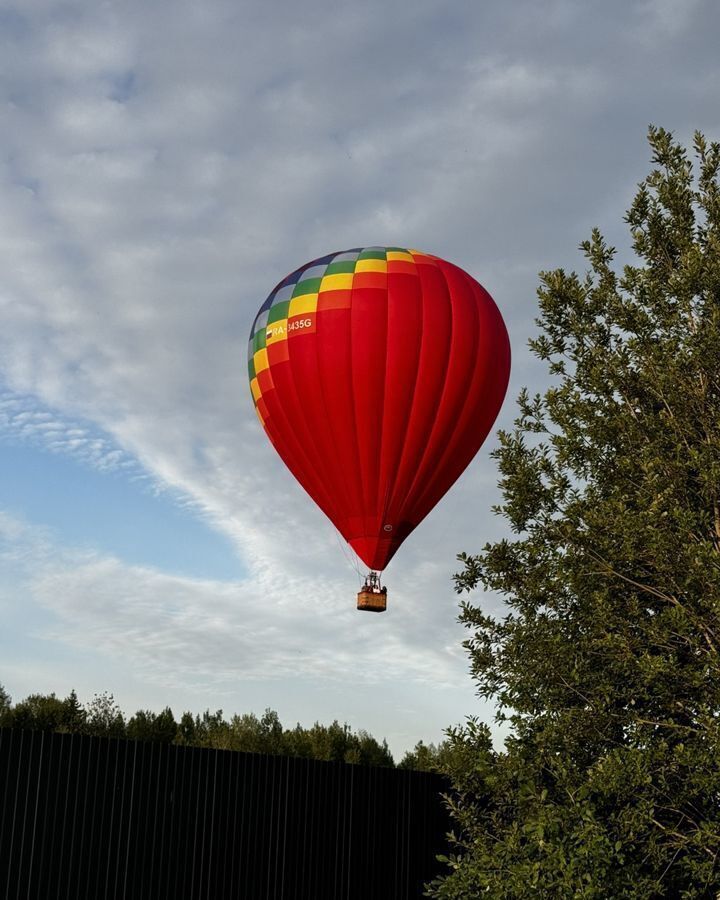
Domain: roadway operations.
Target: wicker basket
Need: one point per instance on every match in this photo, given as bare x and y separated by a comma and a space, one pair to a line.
372, 601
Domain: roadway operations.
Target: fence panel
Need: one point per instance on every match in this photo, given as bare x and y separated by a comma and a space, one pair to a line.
109, 819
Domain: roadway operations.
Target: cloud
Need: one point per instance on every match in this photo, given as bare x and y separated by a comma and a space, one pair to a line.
180, 631
24, 420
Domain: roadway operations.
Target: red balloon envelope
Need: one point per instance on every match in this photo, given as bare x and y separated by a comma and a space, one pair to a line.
377, 373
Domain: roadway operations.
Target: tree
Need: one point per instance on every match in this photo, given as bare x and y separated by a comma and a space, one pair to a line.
43, 712
606, 663
423, 757
297, 742
372, 753
40, 712
5, 706
186, 730
104, 717
211, 730
72, 717
271, 732
146, 725
247, 733
253, 735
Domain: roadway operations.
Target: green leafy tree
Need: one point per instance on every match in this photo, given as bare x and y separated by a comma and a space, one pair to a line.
47, 712
271, 732
246, 733
371, 752
5, 706
146, 725
297, 742
252, 735
186, 729
104, 717
331, 742
606, 662
212, 730
165, 726
73, 714
423, 757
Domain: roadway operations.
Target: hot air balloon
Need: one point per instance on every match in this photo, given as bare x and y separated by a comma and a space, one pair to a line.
377, 374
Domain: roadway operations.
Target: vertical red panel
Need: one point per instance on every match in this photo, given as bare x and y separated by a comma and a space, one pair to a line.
334, 354
485, 393
432, 368
368, 335
289, 434
460, 365
404, 340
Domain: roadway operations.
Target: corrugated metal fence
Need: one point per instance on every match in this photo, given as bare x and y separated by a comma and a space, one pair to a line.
84, 817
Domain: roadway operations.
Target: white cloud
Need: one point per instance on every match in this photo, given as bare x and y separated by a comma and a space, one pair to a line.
23, 420
178, 631
204, 640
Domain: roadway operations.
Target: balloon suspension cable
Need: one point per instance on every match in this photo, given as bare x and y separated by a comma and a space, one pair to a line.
373, 583
351, 557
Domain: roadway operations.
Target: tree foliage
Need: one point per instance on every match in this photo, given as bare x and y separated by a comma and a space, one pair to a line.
428, 757
5, 701
45, 712
606, 661
102, 717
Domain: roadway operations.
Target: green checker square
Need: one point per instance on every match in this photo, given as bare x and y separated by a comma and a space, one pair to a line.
373, 254
259, 339
309, 286
279, 311
251, 368
345, 266
396, 250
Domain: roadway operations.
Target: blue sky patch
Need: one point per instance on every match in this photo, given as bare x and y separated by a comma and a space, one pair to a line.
110, 513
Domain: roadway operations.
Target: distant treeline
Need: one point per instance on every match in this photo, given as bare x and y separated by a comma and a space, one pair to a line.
103, 717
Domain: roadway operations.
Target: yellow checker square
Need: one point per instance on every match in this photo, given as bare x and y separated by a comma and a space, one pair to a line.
255, 388
299, 306
402, 255
276, 332
371, 265
261, 360
342, 281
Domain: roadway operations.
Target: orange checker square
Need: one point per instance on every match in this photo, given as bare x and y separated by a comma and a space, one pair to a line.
401, 267
424, 259
262, 410
278, 353
302, 324
370, 280
265, 381
334, 300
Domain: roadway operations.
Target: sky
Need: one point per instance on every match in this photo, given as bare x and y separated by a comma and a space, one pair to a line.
162, 166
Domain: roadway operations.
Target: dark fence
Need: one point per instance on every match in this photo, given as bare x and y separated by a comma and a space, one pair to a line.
84, 817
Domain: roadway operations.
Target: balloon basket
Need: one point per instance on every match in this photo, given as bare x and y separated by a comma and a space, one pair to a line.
372, 601
372, 597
